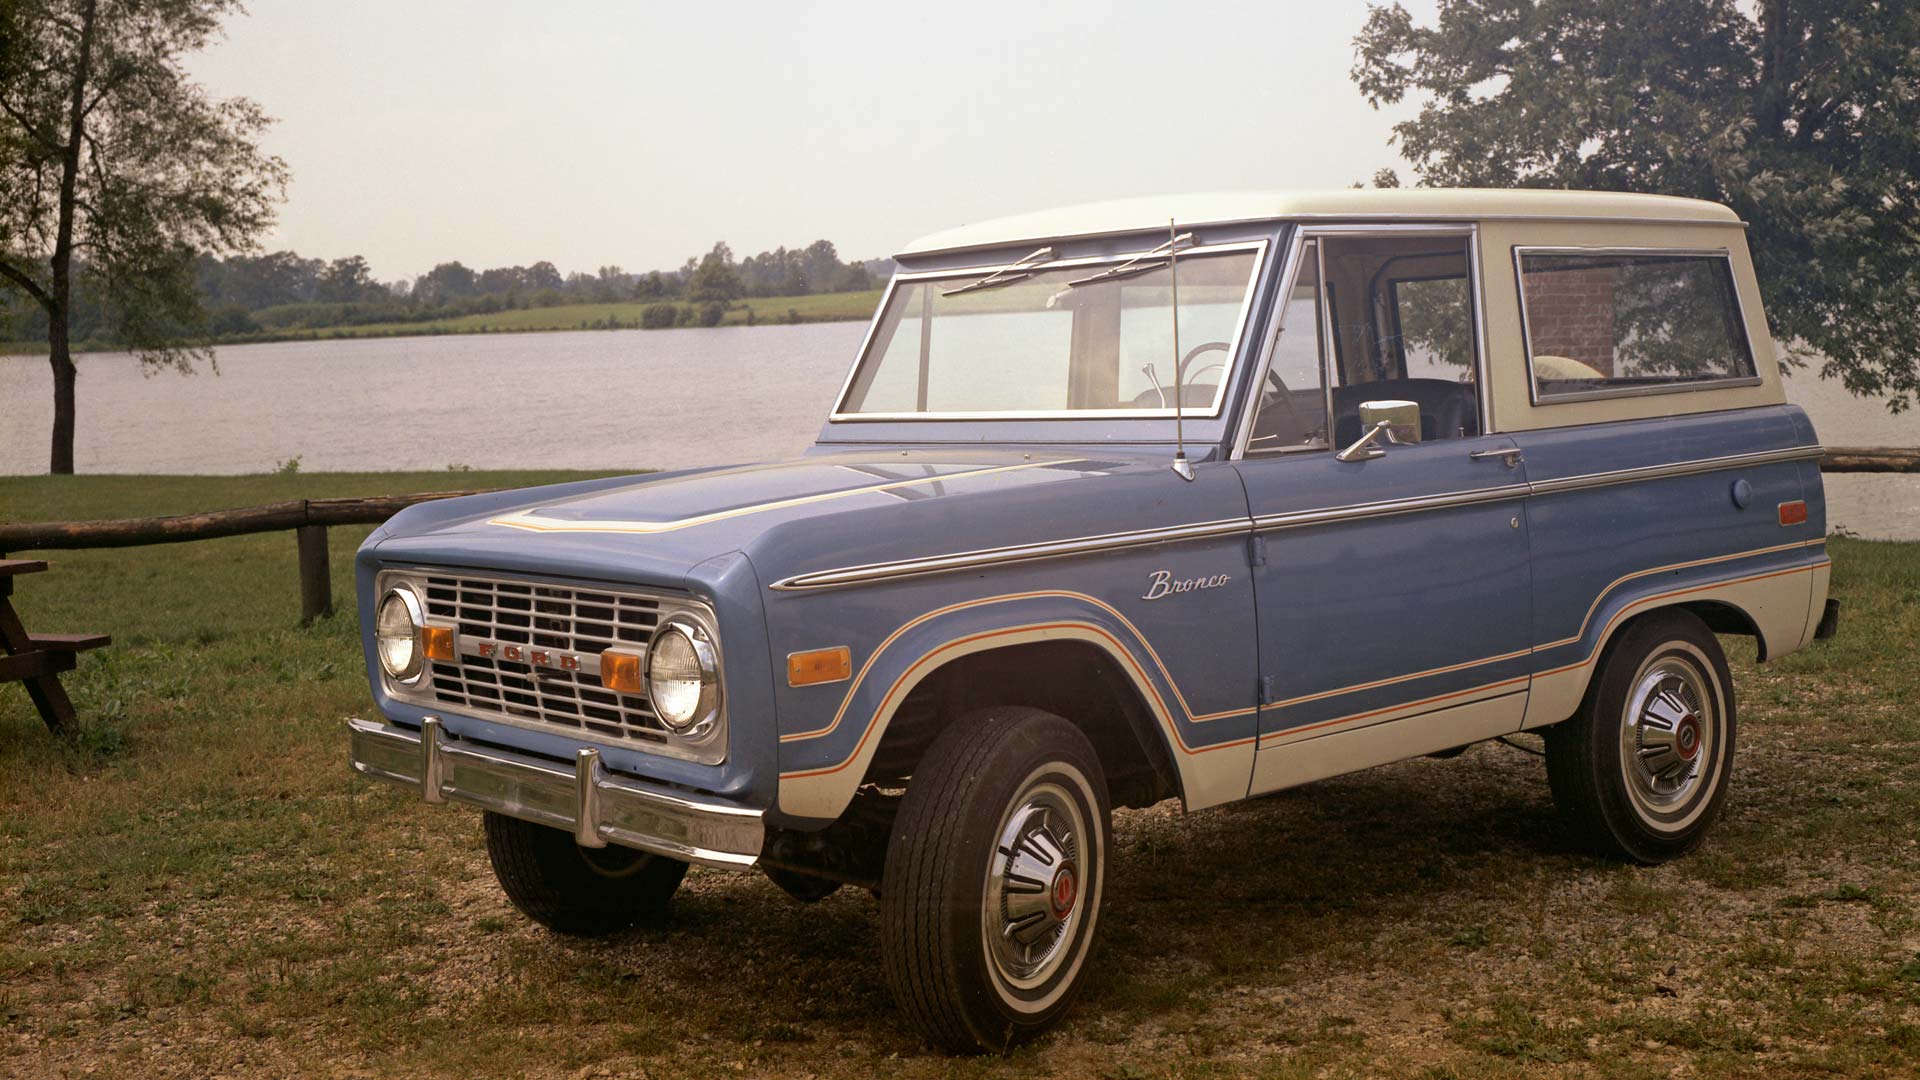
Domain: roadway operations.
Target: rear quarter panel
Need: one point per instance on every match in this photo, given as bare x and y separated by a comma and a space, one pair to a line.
1602, 554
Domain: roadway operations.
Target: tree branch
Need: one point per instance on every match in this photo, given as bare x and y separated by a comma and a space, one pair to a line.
27, 126
27, 285
107, 87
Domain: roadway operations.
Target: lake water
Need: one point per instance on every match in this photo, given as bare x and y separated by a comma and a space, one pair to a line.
590, 399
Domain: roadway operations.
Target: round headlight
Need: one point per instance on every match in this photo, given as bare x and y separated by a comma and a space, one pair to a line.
683, 679
397, 634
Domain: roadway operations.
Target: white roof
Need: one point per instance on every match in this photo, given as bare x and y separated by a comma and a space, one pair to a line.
1423, 204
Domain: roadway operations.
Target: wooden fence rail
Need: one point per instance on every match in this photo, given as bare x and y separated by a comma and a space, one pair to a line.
1877, 459
309, 519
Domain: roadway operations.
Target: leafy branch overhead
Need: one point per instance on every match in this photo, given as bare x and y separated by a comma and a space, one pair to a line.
1803, 116
115, 164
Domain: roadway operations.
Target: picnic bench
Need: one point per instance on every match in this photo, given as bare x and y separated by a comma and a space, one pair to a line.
38, 659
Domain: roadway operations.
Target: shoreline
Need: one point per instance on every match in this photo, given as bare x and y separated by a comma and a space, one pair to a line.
624, 315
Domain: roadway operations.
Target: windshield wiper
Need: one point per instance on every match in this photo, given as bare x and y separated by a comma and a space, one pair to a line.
1139, 264
1006, 275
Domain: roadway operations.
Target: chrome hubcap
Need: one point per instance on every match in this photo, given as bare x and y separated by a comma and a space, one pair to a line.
1034, 894
1668, 734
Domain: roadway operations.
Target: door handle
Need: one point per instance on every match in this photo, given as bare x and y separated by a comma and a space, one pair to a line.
1512, 456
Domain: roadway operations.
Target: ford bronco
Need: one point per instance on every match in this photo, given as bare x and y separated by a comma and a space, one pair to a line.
1195, 498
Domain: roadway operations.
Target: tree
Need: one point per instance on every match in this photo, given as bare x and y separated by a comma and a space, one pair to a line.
257, 281
821, 265
116, 166
447, 281
716, 280
1803, 116
346, 280
542, 275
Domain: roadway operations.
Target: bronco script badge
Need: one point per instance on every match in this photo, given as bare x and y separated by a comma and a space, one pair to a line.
1162, 583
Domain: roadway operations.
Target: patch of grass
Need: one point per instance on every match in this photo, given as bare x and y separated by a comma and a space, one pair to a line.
195, 885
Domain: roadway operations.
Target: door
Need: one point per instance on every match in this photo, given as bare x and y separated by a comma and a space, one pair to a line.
1393, 588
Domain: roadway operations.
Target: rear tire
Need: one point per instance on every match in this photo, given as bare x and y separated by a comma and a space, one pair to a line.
994, 877
1642, 770
569, 889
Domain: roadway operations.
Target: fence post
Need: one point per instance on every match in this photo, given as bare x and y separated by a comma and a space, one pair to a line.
316, 574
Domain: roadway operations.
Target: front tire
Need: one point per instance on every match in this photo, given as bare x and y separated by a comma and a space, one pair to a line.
994, 876
588, 892
1642, 770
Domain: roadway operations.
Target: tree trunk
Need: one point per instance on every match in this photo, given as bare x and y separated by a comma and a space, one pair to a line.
1776, 58
61, 357
60, 309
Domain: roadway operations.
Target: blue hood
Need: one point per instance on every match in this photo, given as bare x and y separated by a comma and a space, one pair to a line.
656, 528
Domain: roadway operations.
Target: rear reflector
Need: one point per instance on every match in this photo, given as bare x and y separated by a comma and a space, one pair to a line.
438, 642
819, 666
620, 671
1793, 513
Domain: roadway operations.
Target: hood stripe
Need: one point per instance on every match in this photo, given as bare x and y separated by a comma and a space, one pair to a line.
532, 520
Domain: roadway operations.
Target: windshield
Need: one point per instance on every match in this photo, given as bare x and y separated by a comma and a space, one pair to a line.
1056, 341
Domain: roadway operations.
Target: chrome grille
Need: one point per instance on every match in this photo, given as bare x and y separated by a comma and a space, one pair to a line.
562, 618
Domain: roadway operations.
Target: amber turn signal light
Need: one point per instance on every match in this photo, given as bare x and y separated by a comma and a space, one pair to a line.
620, 671
1793, 513
817, 666
437, 642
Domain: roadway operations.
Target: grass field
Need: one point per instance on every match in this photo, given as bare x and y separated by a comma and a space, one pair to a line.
823, 307
195, 886
826, 307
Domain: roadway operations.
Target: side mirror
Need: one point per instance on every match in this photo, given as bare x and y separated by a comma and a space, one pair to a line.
1397, 421
1401, 417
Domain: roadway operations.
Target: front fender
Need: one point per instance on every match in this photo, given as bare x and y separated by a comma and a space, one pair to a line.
1180, 659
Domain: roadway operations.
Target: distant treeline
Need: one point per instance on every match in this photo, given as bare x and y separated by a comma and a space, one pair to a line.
252, 295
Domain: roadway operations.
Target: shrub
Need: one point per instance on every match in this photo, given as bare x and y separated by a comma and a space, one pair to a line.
659, 316
712, 312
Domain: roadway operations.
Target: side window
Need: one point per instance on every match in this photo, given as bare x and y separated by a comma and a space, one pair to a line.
1601, 323
1290, 406
1394, 314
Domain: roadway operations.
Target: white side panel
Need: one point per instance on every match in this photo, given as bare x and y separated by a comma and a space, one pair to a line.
1775, 601
1816, 604
1350, 751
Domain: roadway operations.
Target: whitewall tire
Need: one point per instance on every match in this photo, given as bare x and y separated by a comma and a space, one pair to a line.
995, 874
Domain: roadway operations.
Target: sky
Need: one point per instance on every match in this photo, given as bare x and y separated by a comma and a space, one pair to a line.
637, 134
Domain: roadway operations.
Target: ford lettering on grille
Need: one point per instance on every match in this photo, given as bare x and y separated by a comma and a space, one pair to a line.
545, 659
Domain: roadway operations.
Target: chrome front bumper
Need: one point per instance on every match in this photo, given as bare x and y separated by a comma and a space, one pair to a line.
596, 807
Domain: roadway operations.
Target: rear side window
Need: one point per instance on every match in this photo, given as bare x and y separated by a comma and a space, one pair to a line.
1604, 323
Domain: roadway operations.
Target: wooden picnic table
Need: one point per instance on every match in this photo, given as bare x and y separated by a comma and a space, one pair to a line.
38, 659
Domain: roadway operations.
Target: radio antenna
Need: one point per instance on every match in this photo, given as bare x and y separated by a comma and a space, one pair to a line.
1180, 464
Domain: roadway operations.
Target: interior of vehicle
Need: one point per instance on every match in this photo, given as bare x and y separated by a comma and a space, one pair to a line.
1372, 318
1039, 341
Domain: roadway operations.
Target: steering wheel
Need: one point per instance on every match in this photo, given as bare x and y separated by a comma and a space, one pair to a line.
1150, 396
1196, 351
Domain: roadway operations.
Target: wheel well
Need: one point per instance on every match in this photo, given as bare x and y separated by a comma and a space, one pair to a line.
1723, 618
1072, 679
